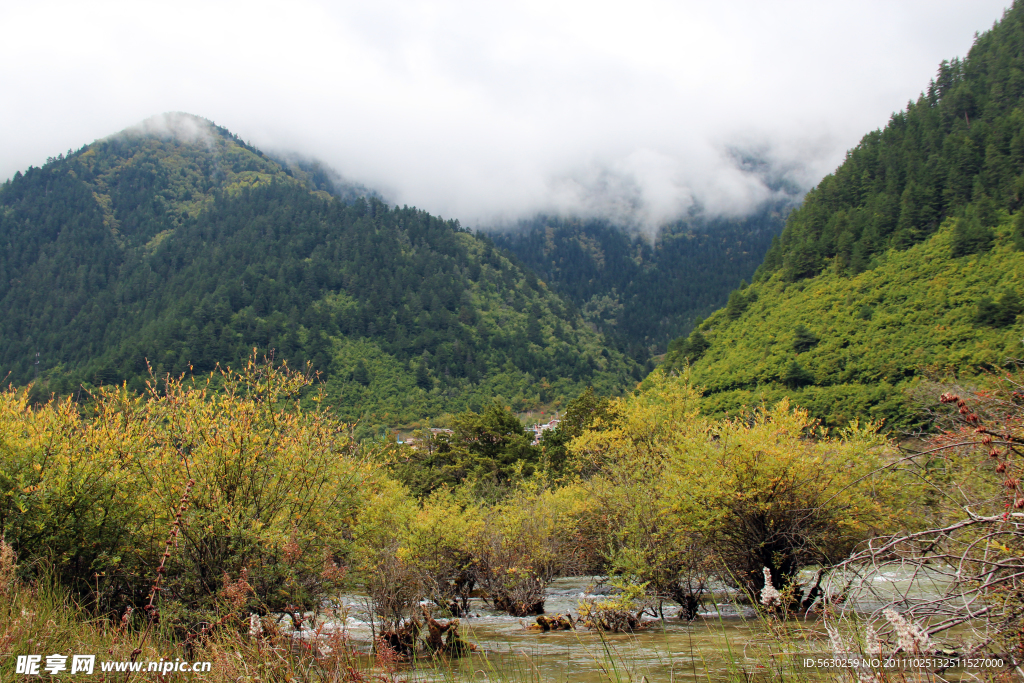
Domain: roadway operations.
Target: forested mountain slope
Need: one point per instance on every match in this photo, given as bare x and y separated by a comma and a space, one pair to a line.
178, 244
905, 259
642, 294
844, 347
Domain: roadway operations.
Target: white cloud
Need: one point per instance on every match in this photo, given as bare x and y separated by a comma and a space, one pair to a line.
175, 125
481, 110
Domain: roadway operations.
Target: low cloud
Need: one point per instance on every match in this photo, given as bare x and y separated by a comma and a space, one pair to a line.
646, 189
175, 125
490, 112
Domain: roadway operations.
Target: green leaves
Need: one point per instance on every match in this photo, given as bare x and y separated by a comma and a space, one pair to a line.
862, 339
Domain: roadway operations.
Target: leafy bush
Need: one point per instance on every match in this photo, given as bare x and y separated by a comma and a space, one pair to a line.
66, 494
274, 490
438, 545
728, 497
524, 543
621, 613
772, 491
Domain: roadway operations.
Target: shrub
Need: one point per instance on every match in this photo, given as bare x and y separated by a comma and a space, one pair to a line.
275, 490
388, 577
438, 546
622, 613
524, 543
67, 493
766, 491
771, 492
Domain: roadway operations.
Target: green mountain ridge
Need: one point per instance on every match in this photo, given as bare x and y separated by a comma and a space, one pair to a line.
901, 265
642, 293
845, 347
177, 244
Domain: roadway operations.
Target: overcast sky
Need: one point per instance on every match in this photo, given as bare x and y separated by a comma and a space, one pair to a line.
487, 111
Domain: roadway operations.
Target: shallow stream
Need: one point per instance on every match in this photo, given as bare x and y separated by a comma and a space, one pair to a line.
726, 642
669, 650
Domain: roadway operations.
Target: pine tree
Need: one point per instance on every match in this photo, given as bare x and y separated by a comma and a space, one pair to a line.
797, 376
423, 380
361, 375
971, 236
804, 339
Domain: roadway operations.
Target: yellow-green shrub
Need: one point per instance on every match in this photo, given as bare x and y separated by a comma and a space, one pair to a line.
770, 490
527, 540
390, 579
66, 490
438, 545
275, 492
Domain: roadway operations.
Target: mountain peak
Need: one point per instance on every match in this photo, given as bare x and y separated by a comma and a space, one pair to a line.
177, 125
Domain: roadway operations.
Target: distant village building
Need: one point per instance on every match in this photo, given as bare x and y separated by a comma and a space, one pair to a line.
415, 442
539, 429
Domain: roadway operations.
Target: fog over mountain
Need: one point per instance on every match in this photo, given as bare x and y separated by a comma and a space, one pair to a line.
486, 112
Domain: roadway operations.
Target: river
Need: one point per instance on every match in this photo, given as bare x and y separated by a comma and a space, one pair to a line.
726, 642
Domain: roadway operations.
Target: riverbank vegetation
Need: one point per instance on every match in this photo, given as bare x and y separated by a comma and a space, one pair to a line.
198, 512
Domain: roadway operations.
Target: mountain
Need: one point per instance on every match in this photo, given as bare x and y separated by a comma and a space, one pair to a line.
318, 176
179, 245
904, 264
642, 293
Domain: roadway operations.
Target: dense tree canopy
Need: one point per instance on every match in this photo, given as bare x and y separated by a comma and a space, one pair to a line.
639, 293
184, 253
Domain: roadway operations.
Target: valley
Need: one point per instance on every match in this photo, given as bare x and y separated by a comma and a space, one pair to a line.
255, 415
